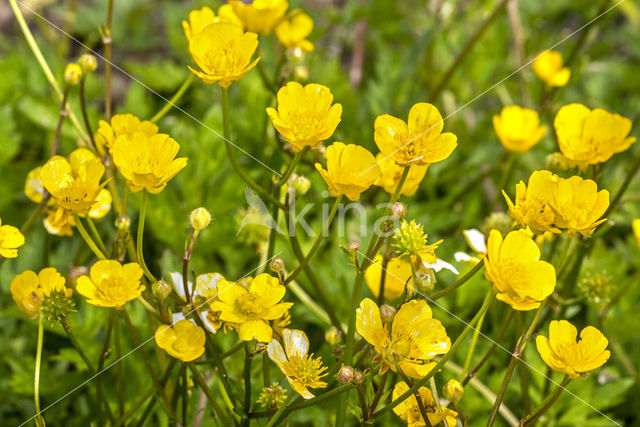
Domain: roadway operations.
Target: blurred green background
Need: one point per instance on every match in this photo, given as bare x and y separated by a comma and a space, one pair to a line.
407, 46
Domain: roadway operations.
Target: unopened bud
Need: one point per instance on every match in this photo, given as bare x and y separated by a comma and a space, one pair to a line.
387, 313
358, 377
301, 184
398, 210
277, 265
333, 336
88, 63
453, 391
353, 247
73, 74
296, 54
161, 290
345, 375
200, 219
301, 73
555, 162
123, 223
425, 281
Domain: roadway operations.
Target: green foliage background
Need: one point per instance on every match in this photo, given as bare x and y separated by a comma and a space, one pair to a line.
408, 46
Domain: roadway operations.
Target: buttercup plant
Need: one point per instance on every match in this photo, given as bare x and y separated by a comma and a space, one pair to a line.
304, 223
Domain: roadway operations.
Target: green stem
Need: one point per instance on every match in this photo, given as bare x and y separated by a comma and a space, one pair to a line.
472, 347
64, 112
85, 115
248, 358
547, 403
232, 158
74, 341
292, 166
476, 268
95, 233
36, 377
106, 40
265, 78
323, 234
88, 240
522, 342
150, 392
197, 376
120, 367
143, 213
276, 417
488, 301
101, 360
378, 395
625, 184
174, 99
467, 48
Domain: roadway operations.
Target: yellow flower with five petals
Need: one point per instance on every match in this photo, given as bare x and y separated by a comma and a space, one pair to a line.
419, 141
518, 128
415, 337
302, 370
562, 353
294, 30
29, 290
548, 67
200, 18
532, 205
111, 284
182, 340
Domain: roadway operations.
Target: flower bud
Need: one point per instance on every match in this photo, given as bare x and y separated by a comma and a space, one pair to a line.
272, 397
556, 163
398, 210
161, 289
301, 184
387, 313
358, 377
333, 336
72, 74
301, 73
123, 223
88, 63
500, 221
425, 281
345, 375
296, 54
200, 219
353, 247
453, 391
277, 265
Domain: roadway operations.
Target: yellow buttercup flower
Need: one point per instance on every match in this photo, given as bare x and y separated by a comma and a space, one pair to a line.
562, 353
419, 141
59, 221
182, 340
250, 308
409, 411
10, 240
351, 170
75, 183
518, 128
260, 16
302, 370
30, 290
548, 67
294, 30
533, 202
635, 225
111, 284
147, 162
518, 275
305, 116
579, 205
415, 337
391, 173
588, 137
200, 18
120, 124
223, 52
397, 275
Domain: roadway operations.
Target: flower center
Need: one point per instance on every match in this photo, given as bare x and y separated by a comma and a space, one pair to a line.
250, 304
304, 369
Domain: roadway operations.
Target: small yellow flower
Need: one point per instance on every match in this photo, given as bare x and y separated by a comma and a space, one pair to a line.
302, 370
579, 205
147, 162
397, 275
562, 353
415, 337
409, 411
29, 290
59, 221
121, 124
250, 307
351, 170
419, 141
10, 240
223, 52
533, 202
391, 173
305, 116
200, 18
294, 30
74, 183
518, 275
182, 340
548, 67
588, 137
111, 284
260, 16
518, 128
635, 225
